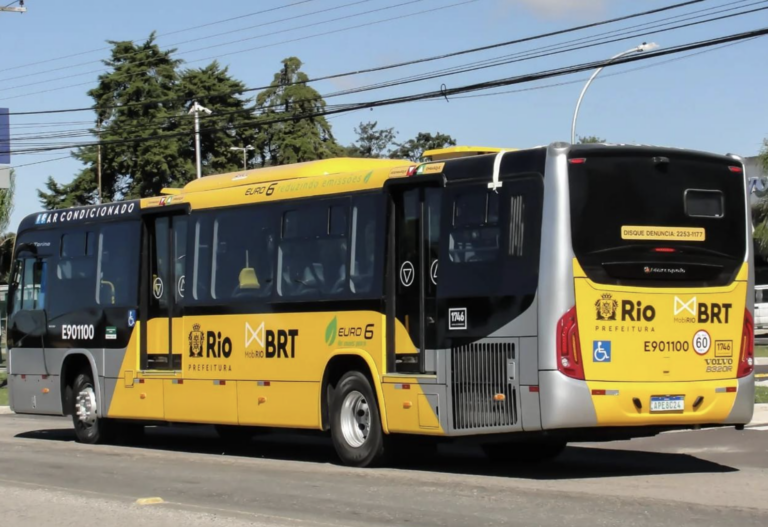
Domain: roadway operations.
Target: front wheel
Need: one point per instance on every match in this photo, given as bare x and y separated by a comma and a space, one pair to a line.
90, 428
356, 422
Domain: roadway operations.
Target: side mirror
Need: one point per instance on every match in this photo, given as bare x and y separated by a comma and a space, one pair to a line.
32, 322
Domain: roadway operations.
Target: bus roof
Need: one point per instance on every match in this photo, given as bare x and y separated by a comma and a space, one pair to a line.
323, 167
453, 152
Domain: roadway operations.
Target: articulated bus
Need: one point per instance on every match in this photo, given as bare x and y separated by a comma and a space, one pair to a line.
515, 299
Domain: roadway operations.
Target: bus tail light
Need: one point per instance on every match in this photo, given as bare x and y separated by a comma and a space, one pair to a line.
747, 356
568, 348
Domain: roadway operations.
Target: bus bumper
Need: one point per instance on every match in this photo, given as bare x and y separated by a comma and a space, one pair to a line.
705, 402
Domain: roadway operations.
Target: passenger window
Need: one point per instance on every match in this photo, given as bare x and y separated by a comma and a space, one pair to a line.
313, 253
29, 281
367, 255
203, 257
475, 236
73, 285
117, 266
244, 249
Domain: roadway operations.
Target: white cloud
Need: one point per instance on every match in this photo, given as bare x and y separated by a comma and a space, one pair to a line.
560, 8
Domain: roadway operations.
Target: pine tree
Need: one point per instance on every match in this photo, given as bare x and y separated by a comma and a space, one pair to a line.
414, 149
304, 136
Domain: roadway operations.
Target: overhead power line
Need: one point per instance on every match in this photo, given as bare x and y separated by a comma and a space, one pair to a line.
435, 94
79, 54
124, 56
380, 68
319, 23
35, 138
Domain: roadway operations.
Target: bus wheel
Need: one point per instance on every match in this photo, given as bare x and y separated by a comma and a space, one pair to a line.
89, 427
355, 422
524, 453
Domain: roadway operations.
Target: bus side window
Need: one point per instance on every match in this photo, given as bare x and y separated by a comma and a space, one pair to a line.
117, 264
74, 282
29, 282
364, 248
313, 251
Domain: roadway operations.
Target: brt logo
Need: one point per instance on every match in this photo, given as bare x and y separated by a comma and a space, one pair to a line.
692, 310
271, 344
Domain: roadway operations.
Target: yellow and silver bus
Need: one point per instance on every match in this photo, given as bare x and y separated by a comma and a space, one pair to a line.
519, 299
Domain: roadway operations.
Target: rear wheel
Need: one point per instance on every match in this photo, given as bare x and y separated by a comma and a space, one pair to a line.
356, 422
524, 453
90, 428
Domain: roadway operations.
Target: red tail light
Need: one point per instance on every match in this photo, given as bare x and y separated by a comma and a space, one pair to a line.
568, 349
747, 356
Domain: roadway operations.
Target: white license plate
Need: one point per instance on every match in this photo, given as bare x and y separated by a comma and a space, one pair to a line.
673, 403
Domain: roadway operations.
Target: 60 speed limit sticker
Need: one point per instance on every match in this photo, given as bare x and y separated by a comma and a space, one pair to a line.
701, 342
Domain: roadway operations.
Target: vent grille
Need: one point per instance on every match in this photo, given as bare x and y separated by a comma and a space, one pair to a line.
479, 372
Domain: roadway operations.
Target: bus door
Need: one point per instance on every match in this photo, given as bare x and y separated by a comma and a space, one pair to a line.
414, 271
162, 291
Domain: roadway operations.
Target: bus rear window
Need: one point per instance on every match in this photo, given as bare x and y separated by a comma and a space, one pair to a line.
687, 215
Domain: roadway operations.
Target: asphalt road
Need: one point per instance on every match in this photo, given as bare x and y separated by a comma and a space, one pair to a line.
708, 477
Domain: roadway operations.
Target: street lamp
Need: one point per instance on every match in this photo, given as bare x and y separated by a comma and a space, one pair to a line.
639, 49
245, 150
196, 109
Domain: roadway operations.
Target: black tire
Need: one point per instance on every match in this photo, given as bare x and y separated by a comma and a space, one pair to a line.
92, 430
522, 453
352, 451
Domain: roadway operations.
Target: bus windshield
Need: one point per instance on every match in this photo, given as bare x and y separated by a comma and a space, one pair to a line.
664, 216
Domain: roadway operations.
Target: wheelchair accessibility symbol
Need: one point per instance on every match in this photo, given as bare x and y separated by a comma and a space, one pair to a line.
601, 351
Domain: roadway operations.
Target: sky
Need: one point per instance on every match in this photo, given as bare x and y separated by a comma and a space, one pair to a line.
713, 101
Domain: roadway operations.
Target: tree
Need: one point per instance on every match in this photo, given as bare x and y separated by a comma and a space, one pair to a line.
7, 239
370, 141
304, 136
589, 139
145, 95
414, 149
760, 209
231, 120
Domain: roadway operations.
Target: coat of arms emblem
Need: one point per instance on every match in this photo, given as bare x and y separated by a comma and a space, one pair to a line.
606, 307
196, 341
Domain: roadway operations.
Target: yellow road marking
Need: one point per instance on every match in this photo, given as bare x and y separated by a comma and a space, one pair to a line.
149, 501
761, 376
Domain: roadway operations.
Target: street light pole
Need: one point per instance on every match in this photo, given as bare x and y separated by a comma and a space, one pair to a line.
196, 109
245, 150
638, 49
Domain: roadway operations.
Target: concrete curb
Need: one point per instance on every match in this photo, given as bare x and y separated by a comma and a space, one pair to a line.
5, 410
761, 361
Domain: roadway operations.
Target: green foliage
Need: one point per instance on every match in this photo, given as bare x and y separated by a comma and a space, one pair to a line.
302, 138
6, 203
414, 149
370, 141
588, 139
139, 73
7, 239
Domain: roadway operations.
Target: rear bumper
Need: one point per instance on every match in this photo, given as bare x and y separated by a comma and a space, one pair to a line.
714, 405
568, 403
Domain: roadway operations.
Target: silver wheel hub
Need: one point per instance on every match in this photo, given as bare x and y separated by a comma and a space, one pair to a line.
85, 406
355, 419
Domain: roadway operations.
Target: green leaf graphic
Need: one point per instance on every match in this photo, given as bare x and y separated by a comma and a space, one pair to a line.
330, 332
367, 176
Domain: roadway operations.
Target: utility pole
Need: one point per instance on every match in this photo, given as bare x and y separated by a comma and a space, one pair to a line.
245, 150
196, 109
98, 162
9, 9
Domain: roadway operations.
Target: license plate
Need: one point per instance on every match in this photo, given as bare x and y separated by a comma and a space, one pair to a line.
670, 403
